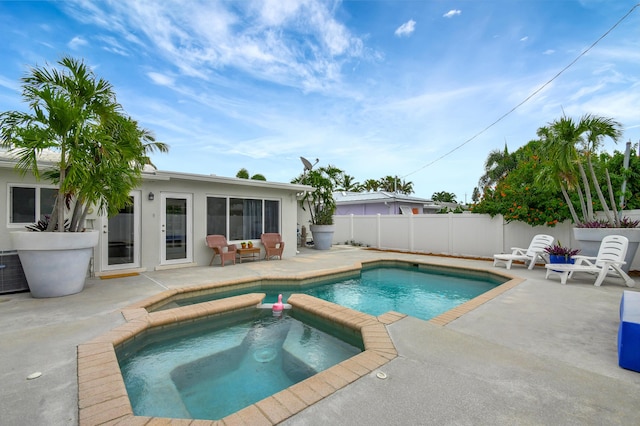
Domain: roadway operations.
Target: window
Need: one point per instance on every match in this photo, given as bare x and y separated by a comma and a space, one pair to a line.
242, 218
216, 216
28, 204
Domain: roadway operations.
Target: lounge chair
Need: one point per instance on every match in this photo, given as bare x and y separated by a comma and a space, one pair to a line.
273, 245
609, 260
220, 247
529, 255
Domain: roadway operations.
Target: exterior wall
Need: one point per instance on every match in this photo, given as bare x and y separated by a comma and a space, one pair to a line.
466, 234
390, 207
151, 236
370, 208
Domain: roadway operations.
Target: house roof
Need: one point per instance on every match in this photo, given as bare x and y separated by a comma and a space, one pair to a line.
345, 198
48, 158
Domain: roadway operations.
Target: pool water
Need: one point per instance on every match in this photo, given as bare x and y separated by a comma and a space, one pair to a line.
411, 292
211, 369
419, 292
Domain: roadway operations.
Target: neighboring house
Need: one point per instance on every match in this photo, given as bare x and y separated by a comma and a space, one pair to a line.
381, 202
166, 225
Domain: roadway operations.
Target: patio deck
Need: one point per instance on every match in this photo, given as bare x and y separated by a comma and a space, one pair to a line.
539, 353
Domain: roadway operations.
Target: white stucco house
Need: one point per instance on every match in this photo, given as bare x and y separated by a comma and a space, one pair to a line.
165, 226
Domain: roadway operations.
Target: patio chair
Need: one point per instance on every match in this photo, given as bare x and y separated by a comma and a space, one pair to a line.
529, 255
273, 245
609, 260
220, 247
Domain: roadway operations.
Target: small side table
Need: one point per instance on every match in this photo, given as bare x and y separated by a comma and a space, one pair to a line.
252, 253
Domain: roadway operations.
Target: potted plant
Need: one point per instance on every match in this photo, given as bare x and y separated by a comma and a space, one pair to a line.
559, 254
572, 145
320, 203
101, 154
243, 244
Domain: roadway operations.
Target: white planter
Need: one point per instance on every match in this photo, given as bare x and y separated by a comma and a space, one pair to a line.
589, 240
55, 263
322, 236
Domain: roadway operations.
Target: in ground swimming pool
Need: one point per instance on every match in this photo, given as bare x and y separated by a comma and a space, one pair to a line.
212, 368
420, 291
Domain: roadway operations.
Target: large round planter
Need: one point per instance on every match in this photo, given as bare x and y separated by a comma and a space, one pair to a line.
322, 236
55, 263
589, 240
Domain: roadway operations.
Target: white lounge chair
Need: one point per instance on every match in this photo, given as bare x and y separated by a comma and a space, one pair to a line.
609, 260
529, 255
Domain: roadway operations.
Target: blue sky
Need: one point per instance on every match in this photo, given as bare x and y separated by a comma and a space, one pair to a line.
375, 88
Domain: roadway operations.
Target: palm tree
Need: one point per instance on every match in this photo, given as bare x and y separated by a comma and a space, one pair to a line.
496, 166
102, 151
570, 145
370, 185
347, 183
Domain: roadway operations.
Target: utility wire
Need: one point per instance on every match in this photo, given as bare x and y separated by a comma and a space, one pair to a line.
584, 52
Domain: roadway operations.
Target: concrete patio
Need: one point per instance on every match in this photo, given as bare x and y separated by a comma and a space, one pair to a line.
540, 353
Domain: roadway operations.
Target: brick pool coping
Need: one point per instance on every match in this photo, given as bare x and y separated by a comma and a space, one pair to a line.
103, 398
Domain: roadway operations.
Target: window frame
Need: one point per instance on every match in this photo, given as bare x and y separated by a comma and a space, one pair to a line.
227, 199
37, 205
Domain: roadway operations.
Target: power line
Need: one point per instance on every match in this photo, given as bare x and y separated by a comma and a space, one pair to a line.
535, 92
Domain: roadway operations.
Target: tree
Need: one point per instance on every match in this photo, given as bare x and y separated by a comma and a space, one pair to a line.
475, 196
244, 174
102, 152
347, 183
371, 185
572, 145
395, 184
516, 196
496, 166
444, 197
320, 201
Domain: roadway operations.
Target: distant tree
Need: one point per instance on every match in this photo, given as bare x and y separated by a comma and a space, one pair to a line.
476, 195
405, 187
371, 185
244, 174
347, 183
496, 166
388, 183
444, 197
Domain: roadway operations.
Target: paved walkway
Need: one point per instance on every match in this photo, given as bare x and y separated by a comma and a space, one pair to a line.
541, 353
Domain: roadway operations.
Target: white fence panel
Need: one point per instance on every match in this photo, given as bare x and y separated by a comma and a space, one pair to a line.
431, 233
475, 234
395, 232
455, 234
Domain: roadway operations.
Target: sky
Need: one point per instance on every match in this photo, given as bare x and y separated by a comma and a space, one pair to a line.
422, 90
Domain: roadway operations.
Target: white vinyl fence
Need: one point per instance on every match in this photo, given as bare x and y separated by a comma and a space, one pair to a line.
465, 234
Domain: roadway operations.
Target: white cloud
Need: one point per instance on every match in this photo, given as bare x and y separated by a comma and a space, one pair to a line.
406, 29
452, 13
549, 52
525, 38
287, 44
161, 79
77, 42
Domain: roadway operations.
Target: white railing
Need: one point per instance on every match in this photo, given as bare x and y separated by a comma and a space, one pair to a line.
466, 234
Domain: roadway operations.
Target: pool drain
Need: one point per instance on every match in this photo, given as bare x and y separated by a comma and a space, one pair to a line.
381, 375
265, 354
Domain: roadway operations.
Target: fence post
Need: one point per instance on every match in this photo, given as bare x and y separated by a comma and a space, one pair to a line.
378, 221
411, 239
351, 227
